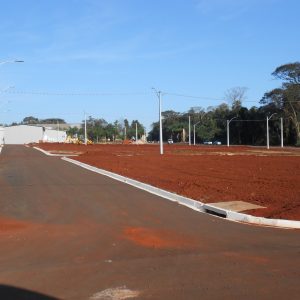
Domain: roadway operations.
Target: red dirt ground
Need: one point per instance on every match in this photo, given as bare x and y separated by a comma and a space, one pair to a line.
269, 178
160, 239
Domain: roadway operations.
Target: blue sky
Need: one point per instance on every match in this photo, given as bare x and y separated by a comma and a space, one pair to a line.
122, 48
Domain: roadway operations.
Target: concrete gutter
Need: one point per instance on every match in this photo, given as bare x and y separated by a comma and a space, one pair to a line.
188, 202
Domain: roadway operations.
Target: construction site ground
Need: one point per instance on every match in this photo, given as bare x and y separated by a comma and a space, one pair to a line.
210, 174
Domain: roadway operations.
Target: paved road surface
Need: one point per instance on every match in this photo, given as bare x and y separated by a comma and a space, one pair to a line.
69, 233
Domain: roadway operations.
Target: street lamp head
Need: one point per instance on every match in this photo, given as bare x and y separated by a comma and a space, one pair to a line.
11, 61
272, 116
232, 119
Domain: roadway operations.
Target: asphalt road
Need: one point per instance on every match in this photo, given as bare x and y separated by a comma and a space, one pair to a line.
69, 233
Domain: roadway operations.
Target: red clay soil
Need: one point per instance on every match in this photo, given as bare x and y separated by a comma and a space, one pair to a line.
270, 178
157, 238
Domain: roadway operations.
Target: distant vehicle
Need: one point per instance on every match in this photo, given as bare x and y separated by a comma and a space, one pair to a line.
207, 143
217, 143
170, 141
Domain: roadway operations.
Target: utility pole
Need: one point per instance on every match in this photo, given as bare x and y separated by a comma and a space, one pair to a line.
228, 122
136, 134
85, 133
189, 130
195, 132
158, 93
125, 133
281, 127
268, 138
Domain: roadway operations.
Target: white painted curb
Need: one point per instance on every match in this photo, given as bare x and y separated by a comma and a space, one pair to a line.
193, 204
244, 218
1, 146
51, 154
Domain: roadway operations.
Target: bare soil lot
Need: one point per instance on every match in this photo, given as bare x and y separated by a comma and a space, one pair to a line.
270, 178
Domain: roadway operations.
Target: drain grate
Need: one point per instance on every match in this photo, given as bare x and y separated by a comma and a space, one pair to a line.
216, 213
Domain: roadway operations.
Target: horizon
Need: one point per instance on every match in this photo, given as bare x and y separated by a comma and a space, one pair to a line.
103, 57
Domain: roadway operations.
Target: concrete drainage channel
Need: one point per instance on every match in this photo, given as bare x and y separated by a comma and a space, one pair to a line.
193, 204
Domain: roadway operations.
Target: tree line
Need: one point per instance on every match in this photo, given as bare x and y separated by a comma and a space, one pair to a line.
100, 130
249, 124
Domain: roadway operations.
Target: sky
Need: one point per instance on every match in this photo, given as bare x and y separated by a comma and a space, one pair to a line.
103, 57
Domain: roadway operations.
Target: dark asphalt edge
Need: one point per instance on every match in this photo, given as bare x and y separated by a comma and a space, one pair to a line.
188, 202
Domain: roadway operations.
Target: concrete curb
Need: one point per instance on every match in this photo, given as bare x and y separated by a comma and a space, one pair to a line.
51, 154
193, 204
1, 146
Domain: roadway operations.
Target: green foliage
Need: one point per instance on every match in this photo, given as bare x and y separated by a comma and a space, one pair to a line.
100, 130
249, 125
287, 98
33, 120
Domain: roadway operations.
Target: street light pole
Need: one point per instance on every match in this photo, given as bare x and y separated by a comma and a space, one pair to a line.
195, 132
158, 93
85, 132
189, 130
268, 139
228, 122
281, 131
136, 135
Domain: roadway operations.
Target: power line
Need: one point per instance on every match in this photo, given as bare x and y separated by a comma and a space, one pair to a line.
42, 93
72, 93
203, 97
213, 99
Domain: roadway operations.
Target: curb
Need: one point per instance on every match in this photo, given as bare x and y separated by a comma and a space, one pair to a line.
51, 154
1, 147
193, 204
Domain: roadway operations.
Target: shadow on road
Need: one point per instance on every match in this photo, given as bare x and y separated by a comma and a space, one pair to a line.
14, 293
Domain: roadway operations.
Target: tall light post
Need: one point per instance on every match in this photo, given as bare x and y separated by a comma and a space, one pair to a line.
85, 131
281, 132
268, 139
136, 133
228, 122
195, 132
158, 93
189, 130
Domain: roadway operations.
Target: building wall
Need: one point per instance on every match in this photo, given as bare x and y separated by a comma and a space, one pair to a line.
22, 134
1, 135
52, 136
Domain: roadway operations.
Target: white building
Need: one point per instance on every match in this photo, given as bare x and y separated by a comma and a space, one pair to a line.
54, 136
24, 134
1, 135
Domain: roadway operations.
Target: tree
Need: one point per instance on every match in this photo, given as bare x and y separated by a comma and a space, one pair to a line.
52, 121
287, 97
235, 96
30, 120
